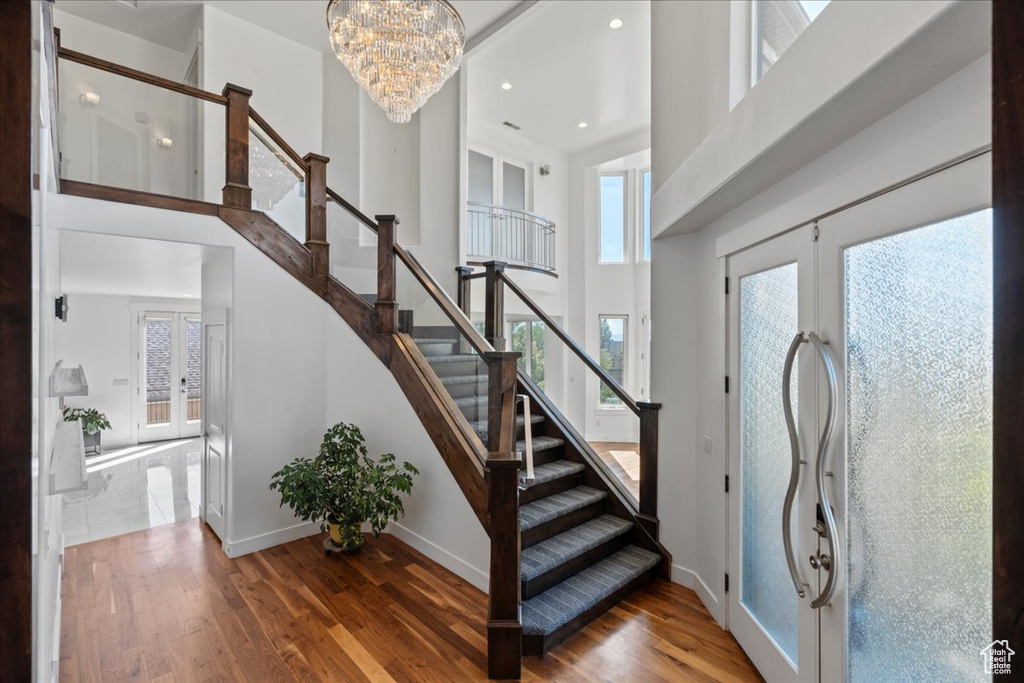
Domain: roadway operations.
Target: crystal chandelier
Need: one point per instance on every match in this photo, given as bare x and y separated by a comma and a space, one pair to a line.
400, 51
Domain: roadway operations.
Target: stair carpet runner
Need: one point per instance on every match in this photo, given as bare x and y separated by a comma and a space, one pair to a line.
575, 556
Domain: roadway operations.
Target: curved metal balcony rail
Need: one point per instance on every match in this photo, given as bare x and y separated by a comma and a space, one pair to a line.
519, 238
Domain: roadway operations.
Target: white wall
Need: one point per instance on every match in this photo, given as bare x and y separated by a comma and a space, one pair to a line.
98, 336
689, 302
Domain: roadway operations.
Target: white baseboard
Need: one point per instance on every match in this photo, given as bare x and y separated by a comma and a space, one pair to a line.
691, 579
683, 576
475, 576
270, 539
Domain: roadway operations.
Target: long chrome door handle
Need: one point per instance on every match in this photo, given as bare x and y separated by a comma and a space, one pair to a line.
794, 472
831, 532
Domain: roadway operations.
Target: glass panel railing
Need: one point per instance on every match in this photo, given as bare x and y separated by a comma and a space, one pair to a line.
120, 132
353, 251
278, 182
453, 349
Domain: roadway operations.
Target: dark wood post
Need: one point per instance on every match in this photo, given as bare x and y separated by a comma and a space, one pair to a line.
494, 304
504, 628
1008, 339
316, 213
649, 466
387, 307
237, 192
501, 400
465, 291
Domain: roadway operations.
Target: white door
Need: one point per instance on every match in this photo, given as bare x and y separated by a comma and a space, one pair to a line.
891, 522
214, 424
170, 371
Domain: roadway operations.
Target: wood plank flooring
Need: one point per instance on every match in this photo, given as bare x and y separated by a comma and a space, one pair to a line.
604, 450
166, 604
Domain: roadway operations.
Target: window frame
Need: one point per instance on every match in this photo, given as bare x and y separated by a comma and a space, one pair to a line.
624, 317
626, 254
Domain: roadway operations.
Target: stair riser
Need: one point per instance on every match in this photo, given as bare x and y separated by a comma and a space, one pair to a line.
534, 646
459, 368
548, 455
432, 350
541, 583
559, 524
467, 390
550, 488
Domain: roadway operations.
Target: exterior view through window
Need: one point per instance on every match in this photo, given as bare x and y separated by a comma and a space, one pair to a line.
528, 339
777, 24
613, 355
613, 218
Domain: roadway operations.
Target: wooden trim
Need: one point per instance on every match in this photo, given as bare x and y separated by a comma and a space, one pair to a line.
272, 240
237, 193
649, 460
141, 76
16, 500
157, 201
316, 214
494, 304
301, 162
501, 400
450, 309
573, 346
504, 628
465, 290
387, 307
344, 203
513, 266
1008, 319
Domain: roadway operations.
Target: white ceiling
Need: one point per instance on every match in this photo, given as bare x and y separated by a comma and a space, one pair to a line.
170, 22
565, 66
126, 266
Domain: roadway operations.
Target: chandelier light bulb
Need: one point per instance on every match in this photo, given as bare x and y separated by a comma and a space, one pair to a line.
400, 51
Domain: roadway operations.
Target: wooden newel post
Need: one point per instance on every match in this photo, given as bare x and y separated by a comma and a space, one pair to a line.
504, 623
237, 192
316, 213
649, 466
387, 306
494, 304
465, 290
502, 370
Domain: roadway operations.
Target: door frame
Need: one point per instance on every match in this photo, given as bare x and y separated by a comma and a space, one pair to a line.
219, 316
135, 310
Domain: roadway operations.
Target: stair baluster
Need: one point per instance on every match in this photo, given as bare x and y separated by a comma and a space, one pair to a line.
386, 306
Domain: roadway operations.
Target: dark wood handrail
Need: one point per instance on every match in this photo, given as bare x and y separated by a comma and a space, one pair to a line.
448, 307
278, 140
141, 76
573, 346
360, 216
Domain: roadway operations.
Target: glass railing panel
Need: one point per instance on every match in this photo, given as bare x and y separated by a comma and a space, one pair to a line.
353, 251
119, 132
454, 357
278, 183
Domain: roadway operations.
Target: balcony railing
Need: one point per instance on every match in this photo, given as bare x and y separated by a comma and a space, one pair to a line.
519, 238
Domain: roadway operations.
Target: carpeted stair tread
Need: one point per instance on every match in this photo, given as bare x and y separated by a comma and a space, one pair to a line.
542, 474
463, 379
557, 550
563, 602
456, 358
540, 443
471, 401
435, 340
480, 426
546, 509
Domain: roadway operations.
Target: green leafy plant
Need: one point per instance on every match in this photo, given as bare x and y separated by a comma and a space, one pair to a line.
342, 486
92, 419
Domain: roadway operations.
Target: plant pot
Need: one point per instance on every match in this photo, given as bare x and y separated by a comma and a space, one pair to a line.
347, 538
92, 443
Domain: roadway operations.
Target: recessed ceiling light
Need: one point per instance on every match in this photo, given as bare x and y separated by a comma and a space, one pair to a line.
581, 124
615, 23
506, 86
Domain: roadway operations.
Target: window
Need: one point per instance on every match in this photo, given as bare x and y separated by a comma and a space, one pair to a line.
481, 178
613, 355
527, 337
499, 180
777, 24
646, 217
613, 218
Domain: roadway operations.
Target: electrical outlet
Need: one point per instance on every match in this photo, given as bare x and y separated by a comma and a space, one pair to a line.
707, 445
120, 382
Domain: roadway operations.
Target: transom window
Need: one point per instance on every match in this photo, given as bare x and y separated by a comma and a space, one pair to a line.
777, 24
613, 218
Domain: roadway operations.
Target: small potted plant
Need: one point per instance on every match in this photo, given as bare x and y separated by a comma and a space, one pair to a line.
342, 487
92, 422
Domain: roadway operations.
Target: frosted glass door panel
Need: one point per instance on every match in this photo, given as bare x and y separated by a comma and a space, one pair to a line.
918, 326
768, 320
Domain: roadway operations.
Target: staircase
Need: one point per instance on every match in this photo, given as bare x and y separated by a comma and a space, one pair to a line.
565, 548
578, 552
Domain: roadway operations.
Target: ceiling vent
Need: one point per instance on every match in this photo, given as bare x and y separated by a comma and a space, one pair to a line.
511, 125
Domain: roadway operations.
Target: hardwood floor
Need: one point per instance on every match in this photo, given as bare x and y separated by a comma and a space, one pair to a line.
604, 450
166, 604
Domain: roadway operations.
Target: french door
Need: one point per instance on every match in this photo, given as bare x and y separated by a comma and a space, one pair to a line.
861, 439
170, 374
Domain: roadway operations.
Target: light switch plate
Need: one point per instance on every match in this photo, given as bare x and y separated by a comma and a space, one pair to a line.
707, 445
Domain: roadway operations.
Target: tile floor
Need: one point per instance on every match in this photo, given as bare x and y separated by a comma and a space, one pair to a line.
135, 488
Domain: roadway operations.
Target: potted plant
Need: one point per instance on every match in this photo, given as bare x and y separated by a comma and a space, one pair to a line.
342, 487
92, 422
